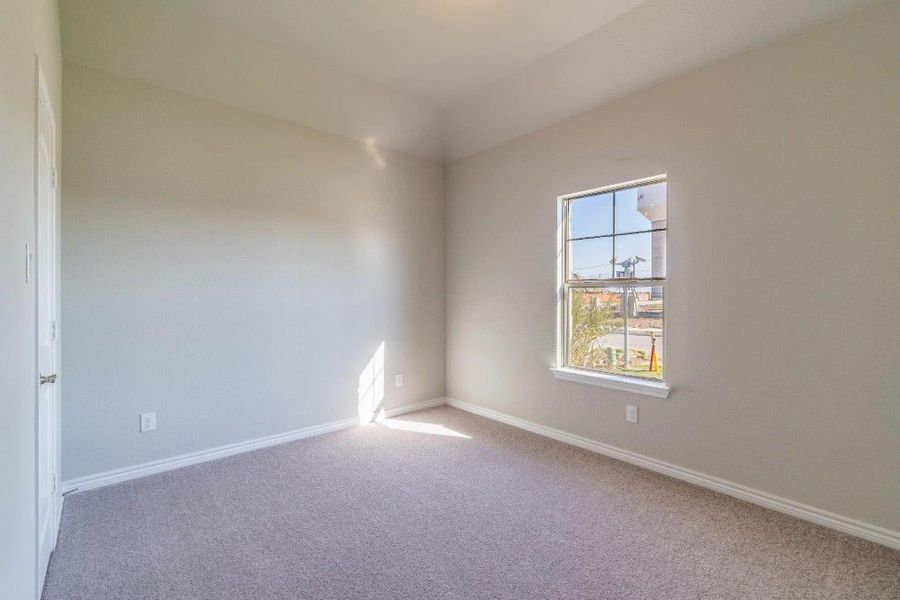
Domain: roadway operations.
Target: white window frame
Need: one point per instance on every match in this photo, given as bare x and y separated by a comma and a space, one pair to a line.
659, 389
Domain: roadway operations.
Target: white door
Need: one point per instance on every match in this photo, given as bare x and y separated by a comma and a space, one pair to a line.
48, 497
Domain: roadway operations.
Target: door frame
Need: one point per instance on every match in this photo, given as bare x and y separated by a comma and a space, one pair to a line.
42, 101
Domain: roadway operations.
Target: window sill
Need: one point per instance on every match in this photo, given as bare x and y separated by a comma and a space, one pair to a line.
623, 384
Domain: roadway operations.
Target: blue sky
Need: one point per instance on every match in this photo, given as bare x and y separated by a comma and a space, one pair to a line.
593, 215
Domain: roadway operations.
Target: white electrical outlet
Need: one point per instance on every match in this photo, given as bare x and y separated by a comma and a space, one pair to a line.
631, 413
398, 380
148, 422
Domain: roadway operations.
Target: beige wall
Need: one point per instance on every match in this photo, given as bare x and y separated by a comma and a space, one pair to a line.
233, 273
783, 254
27, 28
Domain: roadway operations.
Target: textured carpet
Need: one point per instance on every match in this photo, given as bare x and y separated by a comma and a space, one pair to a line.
467, 508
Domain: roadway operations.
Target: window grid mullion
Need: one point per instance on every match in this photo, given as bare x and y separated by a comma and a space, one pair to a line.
621, 282
609, 235
612, 265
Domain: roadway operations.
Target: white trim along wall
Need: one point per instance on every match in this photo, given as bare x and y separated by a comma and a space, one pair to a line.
866, 531
97, 480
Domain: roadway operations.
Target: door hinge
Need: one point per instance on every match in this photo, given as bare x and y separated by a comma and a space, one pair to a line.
52, 331
54, 177
55, 483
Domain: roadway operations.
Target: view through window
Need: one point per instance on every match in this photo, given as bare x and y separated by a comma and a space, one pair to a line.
614, 279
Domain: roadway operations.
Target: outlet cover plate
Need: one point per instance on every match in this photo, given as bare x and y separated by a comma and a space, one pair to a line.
148, 422
631, 413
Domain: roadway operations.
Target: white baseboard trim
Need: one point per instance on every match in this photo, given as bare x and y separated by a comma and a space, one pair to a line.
97, 480
103, 479
866, 531
390, 413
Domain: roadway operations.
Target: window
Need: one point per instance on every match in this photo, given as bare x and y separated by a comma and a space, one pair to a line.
613, 281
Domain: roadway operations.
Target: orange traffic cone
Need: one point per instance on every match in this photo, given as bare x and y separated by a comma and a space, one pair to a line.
654, 365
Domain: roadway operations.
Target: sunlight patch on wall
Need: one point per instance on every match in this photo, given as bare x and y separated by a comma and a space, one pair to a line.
371, 386
374, 154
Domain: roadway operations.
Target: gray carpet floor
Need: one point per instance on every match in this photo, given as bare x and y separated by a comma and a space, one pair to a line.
468, 508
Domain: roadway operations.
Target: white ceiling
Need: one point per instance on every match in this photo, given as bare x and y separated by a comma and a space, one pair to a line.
439, 50
437, 78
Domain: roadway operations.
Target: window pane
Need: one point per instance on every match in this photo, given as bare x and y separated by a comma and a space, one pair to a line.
617, 330
641, 208
591, 215
641, 255
590, 259
645, 332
